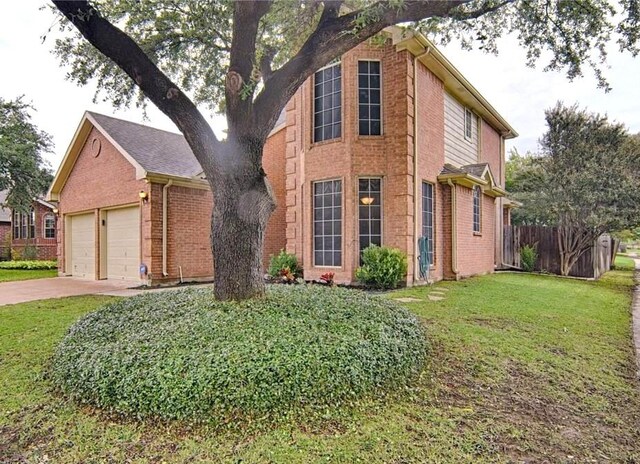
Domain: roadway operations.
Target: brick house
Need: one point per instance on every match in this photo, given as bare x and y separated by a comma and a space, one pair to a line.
133, 204
34, 232
391, 145
5, 228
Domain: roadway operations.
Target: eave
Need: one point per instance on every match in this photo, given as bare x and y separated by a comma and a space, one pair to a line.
469, 181
454, 82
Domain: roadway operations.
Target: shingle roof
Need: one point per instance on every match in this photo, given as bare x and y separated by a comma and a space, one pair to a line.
157, 151
5, 213
476, 170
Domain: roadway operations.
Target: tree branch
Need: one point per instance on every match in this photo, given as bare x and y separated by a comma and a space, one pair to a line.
246, 19
156, 86
334, 36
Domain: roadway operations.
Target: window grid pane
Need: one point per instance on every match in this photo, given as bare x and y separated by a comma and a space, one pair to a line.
468, 123
369, 215
327, 107
369, 114
49, 227
427, 217
476, 209
327, 223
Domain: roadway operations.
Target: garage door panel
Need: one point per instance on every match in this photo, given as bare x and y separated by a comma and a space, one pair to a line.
123, 243
83, 249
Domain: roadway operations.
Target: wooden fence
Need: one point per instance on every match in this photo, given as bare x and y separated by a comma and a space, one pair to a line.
592, 264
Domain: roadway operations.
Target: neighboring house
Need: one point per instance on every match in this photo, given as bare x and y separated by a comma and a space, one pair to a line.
133, 204
34, 232
391, 145
5, 228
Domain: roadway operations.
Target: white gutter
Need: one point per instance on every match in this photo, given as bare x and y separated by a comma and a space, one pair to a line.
416, 183
454, 234
164, 227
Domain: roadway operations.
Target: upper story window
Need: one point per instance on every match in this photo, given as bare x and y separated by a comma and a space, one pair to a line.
49, 226
477, 209
468, 124
327, 103
369, 111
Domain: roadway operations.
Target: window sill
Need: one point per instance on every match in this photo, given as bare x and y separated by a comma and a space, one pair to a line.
478, 234
325, 142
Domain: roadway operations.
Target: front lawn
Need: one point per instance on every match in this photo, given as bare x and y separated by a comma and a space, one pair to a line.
523, 368
8, 275
624, 263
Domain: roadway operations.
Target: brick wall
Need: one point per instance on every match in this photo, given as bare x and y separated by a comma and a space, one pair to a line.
273, 161
475, 251
45, 248
5, 240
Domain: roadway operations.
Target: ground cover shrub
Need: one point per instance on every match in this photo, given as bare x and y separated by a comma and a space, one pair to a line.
284, 264
382, 267
528, 258
28, 265
298, 352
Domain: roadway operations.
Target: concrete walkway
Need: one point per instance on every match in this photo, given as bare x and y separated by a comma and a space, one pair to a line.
23, 291
635, 308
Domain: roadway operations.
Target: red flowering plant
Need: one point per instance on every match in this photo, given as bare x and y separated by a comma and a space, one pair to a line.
327, 278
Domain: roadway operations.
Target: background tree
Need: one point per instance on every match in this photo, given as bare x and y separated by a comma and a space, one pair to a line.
524, 176
586, 180
23, 172
248, 58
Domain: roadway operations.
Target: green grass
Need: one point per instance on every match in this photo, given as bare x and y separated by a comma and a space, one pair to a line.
624, 263
523, 368
9, 275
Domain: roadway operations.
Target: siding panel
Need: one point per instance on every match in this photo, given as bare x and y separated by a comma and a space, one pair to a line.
458, 150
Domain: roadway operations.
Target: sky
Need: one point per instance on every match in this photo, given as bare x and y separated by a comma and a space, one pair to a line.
520, 94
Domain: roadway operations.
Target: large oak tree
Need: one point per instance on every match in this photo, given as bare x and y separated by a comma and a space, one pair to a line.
248, 58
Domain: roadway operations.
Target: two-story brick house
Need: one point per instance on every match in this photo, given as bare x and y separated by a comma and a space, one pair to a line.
391, 145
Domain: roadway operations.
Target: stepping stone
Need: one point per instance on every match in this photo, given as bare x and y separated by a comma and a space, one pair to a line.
407, 300
436, 292
441, 289
435, 298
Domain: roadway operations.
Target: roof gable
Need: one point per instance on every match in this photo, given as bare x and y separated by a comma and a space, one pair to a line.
151, 151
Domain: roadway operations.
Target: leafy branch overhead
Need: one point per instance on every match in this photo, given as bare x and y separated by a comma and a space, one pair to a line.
23, 171
191, 40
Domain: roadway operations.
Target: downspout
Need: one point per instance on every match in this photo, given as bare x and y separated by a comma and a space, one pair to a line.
164, 227
454, 234
416, 183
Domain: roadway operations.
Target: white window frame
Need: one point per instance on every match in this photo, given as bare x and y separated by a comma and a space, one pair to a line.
45, 228
313, 223
477, 203
313, 98
467, 127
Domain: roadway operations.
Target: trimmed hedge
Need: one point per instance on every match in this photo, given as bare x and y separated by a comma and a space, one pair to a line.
382, 267
28, 265
301, 351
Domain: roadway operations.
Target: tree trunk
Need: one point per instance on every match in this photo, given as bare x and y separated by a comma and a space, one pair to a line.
242, 204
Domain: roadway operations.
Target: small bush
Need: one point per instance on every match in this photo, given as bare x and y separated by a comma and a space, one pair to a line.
284, 263
300, 352
382, 267
28, 265
528, 257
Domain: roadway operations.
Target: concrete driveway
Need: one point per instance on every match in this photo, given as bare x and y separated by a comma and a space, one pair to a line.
40, 289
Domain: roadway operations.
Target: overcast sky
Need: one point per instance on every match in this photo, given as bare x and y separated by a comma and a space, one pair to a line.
520, 94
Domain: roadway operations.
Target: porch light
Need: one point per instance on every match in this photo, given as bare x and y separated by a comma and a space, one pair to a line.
144, 196
366, 200
55, 211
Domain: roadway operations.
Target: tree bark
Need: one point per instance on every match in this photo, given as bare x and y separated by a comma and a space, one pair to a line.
242, 204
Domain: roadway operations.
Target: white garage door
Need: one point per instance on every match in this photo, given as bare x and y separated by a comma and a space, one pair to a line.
83, 246
123, 243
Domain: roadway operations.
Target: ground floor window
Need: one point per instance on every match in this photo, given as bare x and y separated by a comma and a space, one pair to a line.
327, 223
477, 198
427, 218
370, 211
49, 226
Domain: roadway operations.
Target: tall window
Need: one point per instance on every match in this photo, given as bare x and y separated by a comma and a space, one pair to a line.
369, 118
327, 103
24, 233
49, 226
477, 210
16, 224
327, 223
32, 223
370, 212
427, 217
468, 123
